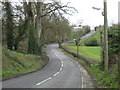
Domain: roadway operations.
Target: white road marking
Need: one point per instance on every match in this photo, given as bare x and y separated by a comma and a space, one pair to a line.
60, 69
76, 64
62, 65
43, 81
80, 71
54, 74
60, 60
82, 82
81, 76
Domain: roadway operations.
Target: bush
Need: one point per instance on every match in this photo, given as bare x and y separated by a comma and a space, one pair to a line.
113, 45
92, 42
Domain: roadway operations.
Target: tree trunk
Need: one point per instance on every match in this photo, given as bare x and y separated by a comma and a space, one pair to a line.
38, 22
16, 46
31, 41
77, 50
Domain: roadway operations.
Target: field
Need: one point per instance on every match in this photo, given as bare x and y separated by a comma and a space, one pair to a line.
88, 51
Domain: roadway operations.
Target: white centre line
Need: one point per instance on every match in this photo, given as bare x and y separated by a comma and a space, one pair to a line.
54, 74
60, 69
62, 65
82, 86
44, 81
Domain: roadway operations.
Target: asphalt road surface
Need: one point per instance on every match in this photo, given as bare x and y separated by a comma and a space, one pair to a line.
61, 72
84, 37
89, 34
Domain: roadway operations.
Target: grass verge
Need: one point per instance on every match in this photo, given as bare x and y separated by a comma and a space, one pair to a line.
16, 64
101, 79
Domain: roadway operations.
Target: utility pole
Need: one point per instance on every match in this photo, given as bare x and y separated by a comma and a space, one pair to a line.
105, 38
105, 35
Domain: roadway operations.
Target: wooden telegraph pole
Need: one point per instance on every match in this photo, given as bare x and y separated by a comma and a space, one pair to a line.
105, 38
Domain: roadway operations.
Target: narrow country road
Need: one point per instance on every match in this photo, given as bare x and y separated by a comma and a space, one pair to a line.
61, 72
89, 34
85, 36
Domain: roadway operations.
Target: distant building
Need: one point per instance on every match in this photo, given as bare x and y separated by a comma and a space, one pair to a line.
75, 29
115, 24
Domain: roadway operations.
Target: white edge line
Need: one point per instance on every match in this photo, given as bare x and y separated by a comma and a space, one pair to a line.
81, 76
82, 82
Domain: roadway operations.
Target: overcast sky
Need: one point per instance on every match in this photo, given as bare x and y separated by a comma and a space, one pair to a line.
90, 16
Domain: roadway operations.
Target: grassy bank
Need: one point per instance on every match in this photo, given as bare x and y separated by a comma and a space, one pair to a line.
102, 79
15, 64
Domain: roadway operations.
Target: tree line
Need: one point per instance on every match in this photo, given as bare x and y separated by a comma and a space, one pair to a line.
27, 26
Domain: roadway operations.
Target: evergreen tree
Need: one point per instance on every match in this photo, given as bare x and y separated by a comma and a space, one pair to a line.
31, 42
9, 25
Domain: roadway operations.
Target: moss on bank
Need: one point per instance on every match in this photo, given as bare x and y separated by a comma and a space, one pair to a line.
16, 64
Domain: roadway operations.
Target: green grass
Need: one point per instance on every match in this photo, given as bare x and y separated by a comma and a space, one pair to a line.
14, 63
94, 36
92, 52
102, 79
88, 51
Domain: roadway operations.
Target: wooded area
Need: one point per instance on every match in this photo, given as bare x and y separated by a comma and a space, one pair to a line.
27, 26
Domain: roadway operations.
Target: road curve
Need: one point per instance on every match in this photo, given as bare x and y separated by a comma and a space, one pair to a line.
89, 34
61, 72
